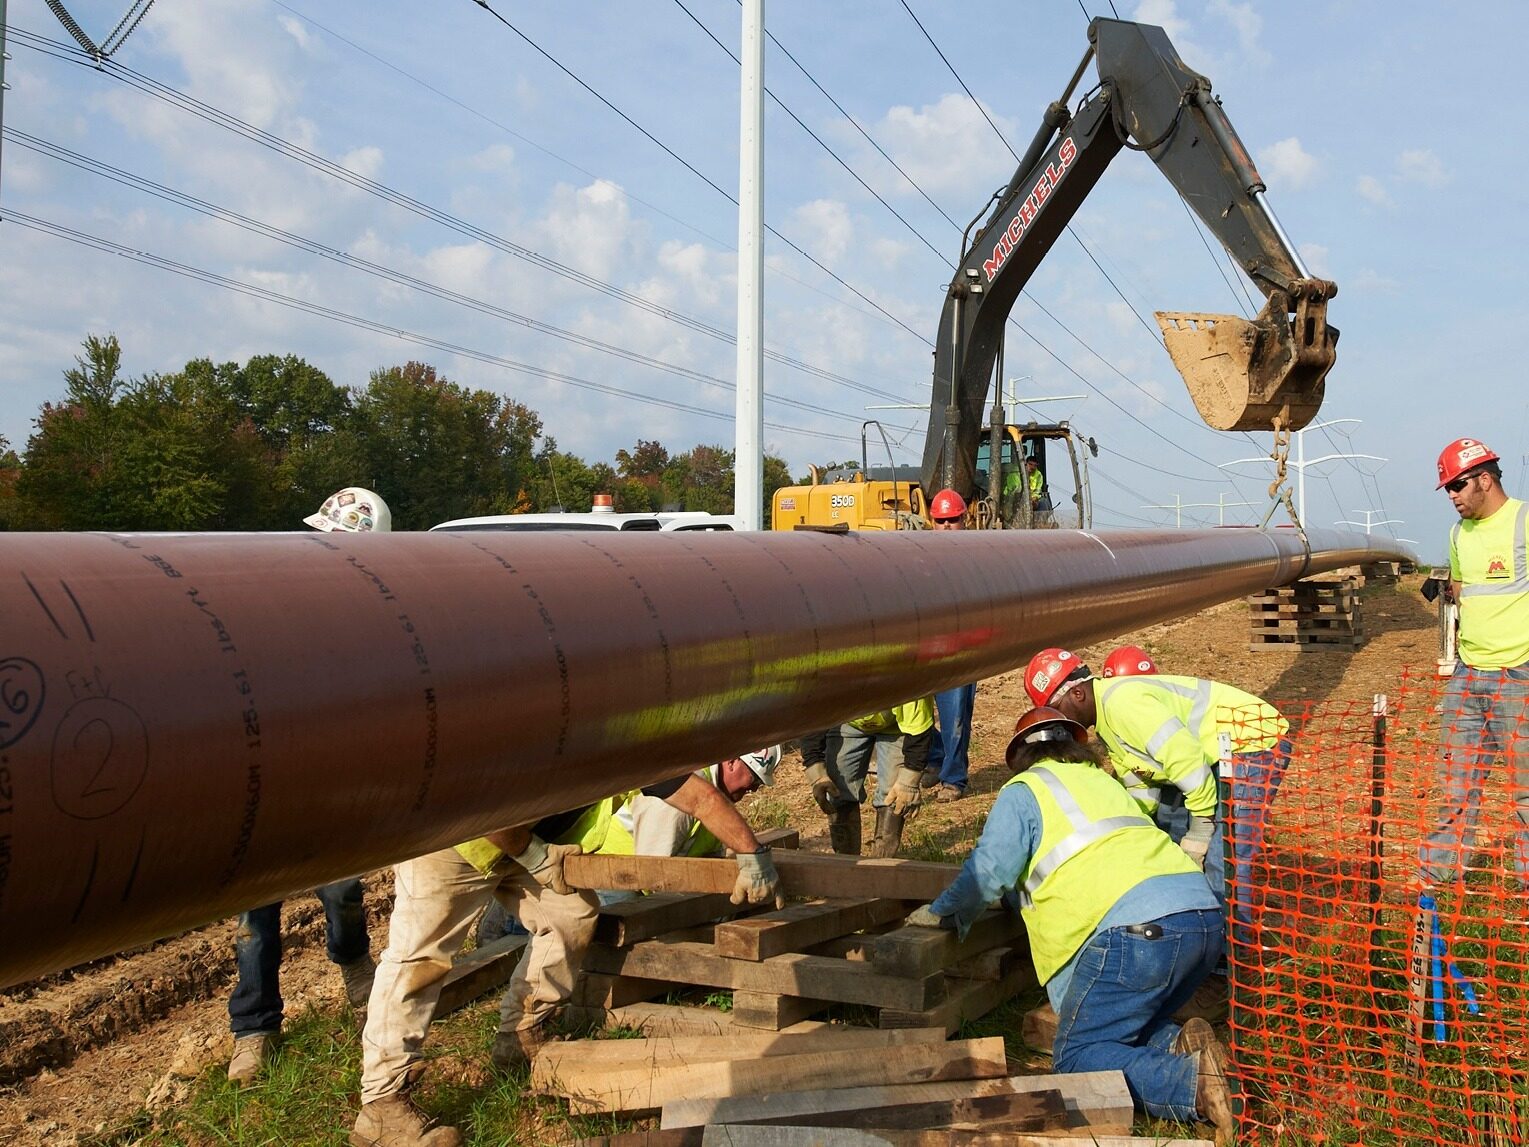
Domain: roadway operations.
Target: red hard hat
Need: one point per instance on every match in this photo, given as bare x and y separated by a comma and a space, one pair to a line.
947, 504
1461, 455
1128, 661
1043, 724
1048, 670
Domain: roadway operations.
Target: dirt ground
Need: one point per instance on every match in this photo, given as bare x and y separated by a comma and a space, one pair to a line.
84, 1050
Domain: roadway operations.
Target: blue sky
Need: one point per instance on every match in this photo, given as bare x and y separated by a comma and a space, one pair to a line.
1387, 134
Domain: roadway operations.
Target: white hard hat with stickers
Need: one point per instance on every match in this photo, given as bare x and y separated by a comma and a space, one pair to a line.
353, 510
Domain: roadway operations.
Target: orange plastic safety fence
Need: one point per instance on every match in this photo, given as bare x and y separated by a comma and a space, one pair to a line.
1379, 947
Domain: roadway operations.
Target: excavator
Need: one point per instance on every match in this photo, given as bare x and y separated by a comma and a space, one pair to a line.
1264, 373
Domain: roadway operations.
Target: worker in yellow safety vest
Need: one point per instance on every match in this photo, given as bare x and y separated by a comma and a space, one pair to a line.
436, 898
900, 738
1486, 703
649, 826
1163, 730
1122, 925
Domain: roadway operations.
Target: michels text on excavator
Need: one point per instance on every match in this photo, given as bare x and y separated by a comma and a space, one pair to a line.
1265, 373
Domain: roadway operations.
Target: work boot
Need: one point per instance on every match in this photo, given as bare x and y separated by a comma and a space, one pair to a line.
844, 829
947, 793
251, 1052
1195, 1035
889, 833
1213, 1095
395, 1122
358, 976
514, 1049
1210, 1002
928, 778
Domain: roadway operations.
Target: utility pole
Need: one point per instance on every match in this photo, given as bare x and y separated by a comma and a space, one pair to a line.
1369, 523
4, 56
1219, 505
748, 454
1300, 461
1177, 508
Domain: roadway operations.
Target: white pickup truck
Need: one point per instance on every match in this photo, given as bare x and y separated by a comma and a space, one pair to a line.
688, 520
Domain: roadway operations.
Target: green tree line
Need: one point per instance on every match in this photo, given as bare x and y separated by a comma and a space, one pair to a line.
258, 446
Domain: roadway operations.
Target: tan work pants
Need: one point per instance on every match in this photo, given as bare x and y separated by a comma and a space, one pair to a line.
435, 900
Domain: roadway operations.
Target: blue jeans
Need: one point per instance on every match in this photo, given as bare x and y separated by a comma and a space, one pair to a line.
1486, 713
255, 1005
1117, 1013
1255, 781
948, 753
848, 753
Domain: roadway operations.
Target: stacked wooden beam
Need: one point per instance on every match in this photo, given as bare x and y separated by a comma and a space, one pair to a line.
784, 966
1310, 616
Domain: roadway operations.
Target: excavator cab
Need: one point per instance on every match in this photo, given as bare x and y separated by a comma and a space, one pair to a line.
1018, 501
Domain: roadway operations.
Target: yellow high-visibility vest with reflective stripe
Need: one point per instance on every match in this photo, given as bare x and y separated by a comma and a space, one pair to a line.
1487, 557
1096, 845
1167, 730
589, 831
911, 717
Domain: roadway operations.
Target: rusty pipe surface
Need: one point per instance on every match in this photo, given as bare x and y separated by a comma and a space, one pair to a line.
191, 725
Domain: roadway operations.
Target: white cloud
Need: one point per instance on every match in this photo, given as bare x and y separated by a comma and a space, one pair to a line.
824, 228
946, 147
1373, 190
297, 30
1288, 165
1371, 281
1249, 28
363, 161
1419, 165
496, 157
1317, 259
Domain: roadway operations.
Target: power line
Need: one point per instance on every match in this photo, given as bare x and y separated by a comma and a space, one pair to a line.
210, 114
333, 314
378, 270
667, 150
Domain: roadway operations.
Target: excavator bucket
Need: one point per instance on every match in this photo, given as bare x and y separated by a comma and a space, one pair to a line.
1243, 373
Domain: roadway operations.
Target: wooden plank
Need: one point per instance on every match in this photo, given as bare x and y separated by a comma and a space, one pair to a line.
479, 972
631, 921
1008, 1111
646, 1091
965, 1000
762, 1135
779, 837
574, 1064
1096, 1100
994, 964
681, 1020
1039, 1028
914, 951
769, 1011
803, 874
789, 974
801, 926
597, 990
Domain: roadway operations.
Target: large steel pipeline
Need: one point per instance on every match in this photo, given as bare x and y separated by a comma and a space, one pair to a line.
194, 724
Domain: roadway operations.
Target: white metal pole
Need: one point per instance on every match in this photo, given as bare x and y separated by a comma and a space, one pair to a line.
748, 463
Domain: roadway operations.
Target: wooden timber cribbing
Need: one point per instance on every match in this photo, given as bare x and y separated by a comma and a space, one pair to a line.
1309, 615
786, 965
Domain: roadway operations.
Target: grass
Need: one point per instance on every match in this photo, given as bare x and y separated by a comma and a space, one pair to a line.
767, 811
309, 1094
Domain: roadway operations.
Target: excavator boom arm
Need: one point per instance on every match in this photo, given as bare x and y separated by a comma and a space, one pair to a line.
1241, 374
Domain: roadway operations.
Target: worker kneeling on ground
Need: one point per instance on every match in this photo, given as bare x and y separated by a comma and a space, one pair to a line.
1122, 925
436, 898
900, 737
1163, 731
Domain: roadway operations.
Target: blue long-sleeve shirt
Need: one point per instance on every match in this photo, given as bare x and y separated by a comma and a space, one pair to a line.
1008, 841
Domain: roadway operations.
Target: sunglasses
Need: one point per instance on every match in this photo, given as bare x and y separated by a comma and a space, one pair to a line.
1459, 484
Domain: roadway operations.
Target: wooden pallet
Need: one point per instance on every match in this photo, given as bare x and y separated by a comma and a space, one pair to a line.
785, 966
1307, 616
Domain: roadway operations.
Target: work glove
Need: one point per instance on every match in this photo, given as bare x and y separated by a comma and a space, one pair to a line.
545, 863
758, 882
903, 799
924, 917
1196, 842
824, 791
